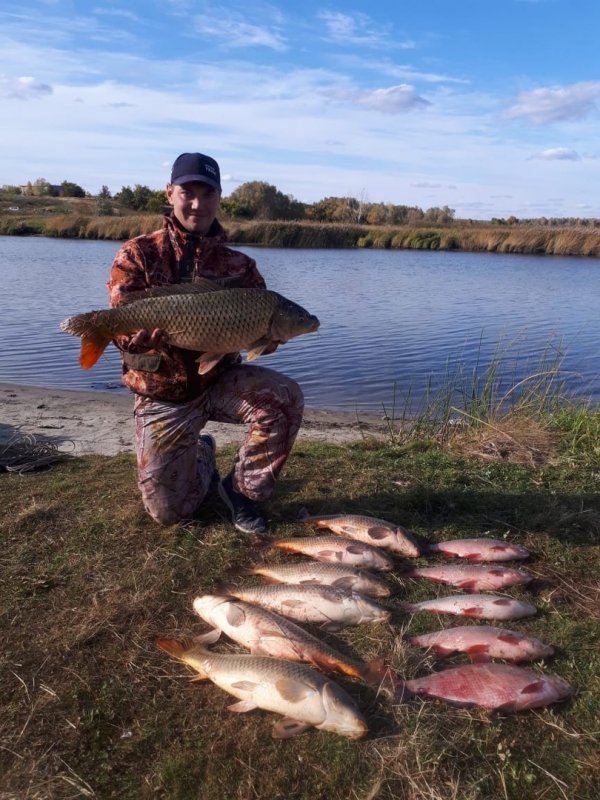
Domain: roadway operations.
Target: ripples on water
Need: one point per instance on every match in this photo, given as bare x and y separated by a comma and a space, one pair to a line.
391, 321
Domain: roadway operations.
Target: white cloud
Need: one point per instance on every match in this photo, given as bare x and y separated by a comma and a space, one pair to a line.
358, 30
558, 154
394, 100
25, 88
546, 105
233, 31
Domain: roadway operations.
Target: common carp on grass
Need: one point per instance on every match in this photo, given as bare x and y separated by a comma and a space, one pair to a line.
499, 687
480, 549
482, 643
317, 573
304, 697
265, 633
196, 316
336, 550
480, 606
322, 605
476, 578
370, 530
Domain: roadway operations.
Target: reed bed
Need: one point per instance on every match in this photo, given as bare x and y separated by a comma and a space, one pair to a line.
465, 236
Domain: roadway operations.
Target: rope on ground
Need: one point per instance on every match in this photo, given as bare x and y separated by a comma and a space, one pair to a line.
24, 453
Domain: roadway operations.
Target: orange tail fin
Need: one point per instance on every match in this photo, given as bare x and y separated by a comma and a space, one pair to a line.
172, 647
94, 336
92, 347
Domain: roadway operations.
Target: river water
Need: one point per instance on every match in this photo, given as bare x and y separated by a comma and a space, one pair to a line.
395, 324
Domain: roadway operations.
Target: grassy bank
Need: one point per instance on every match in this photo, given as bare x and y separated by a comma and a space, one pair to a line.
71, 218
93, 709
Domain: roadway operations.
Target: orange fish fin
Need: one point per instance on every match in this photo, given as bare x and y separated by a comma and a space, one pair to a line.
172, 647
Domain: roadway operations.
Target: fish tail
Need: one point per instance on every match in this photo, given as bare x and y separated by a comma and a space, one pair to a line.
172, 647
94, 336
386, 680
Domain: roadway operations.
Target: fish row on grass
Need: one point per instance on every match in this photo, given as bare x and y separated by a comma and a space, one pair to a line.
275, 675
504, 687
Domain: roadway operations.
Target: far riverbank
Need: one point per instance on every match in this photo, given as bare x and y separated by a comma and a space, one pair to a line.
471, 236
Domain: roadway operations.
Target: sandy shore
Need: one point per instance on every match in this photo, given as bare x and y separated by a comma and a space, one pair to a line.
101, 422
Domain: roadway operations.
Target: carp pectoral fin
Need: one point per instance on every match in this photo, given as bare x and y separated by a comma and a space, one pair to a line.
245, 686
207, 361
293, 691
243, 706
332, 627
208, 638
286, 728
258, 347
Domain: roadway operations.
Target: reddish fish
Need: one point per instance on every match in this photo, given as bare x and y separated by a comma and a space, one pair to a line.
471, 577
370, 530
499, 687
480, 606
482, 643
480, 549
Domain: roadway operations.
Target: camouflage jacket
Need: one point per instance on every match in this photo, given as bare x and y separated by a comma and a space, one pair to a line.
172, 255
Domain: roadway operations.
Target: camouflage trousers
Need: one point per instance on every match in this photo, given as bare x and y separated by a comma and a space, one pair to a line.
175, 468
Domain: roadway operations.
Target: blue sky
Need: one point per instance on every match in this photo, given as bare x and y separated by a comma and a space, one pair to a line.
488, 107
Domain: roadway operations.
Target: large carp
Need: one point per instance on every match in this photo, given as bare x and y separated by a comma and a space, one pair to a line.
196, 316
304, 697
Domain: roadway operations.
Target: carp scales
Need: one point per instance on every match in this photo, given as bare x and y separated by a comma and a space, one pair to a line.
480, 549
370, 530
473, 578
318, 573
335, 549
478, 606
304, 697
482, 643
498, 687
197, 316
323, 605
265, 633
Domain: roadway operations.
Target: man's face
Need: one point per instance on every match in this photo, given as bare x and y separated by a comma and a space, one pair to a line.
195, 205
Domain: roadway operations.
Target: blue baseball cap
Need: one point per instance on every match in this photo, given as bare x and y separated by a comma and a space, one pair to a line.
189, 167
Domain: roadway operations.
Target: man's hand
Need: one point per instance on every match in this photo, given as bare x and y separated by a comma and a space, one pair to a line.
148, 340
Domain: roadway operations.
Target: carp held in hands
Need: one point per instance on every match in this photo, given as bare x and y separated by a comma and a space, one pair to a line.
198, 316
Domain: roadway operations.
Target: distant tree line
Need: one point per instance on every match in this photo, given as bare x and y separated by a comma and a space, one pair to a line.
258, 200
43, 188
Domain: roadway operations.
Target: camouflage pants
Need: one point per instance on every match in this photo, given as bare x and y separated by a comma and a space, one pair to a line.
175, 468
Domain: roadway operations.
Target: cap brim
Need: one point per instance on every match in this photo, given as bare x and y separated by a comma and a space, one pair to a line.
196, 179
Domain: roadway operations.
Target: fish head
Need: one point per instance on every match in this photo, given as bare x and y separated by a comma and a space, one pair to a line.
289, 320
211, 608
342, 716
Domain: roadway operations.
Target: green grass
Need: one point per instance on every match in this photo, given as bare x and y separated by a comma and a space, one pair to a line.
91, 708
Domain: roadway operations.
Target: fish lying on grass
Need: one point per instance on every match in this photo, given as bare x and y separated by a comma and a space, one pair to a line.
266, 633
480, 549
336, 550
323, 605
480, 606
499, 687
318, 573
304, 697
475, 578
482, 643
369, 530
197, 316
